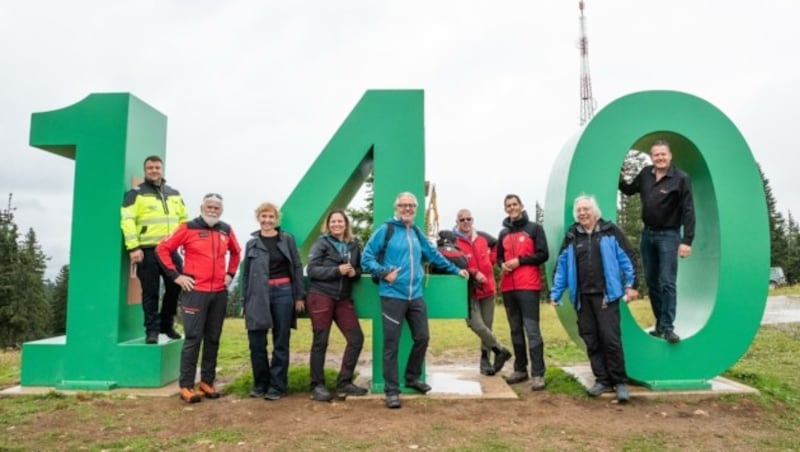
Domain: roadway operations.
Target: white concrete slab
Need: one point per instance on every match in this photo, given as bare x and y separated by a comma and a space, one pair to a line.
781, 309
719, 385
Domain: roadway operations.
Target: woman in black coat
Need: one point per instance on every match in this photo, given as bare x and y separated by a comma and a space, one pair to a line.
333, 266
274, 291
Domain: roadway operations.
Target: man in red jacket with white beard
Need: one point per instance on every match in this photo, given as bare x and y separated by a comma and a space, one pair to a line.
206, 241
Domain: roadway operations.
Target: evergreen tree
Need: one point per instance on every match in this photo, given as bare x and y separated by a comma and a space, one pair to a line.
9, 255
629, 211
24, 304
234, 308
792, 268
544, 294
362, 218
539, 213
58, 303
777, 228
33, 306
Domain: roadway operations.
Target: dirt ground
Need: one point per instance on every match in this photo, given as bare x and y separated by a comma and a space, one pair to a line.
534, 421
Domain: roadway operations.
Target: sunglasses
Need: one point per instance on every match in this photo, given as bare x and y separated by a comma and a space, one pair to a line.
462, 220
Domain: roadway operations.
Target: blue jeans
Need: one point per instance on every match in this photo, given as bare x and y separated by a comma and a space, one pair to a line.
273, 375
659, 248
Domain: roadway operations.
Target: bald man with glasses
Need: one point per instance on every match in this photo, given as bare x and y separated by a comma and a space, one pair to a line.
480, 250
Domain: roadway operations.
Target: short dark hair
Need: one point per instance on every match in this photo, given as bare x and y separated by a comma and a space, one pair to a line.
509, 196
153, 158
661, 142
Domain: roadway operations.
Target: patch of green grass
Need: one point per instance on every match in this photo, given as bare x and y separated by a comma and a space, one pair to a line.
561, 382
128, 443
488, 442
9, 368
328, 442
299, 380
22, 410
786, 290
651, 441
770, 365
209, 439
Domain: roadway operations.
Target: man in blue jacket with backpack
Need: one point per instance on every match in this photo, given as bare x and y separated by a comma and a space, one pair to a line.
394, 256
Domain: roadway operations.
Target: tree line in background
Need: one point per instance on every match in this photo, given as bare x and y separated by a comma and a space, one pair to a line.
784, 236
32, 307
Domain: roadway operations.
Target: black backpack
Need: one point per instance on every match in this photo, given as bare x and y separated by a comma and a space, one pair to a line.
446, 245
382, 252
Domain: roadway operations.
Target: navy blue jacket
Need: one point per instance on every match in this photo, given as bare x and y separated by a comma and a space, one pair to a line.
617, 257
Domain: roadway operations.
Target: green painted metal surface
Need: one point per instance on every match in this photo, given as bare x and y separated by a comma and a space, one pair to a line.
385, 133
108, 136
722, 287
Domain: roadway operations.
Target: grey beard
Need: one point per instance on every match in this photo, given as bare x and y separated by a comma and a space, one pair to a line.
211, 221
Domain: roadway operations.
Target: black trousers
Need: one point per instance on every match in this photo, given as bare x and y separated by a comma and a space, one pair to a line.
393, 311
150, 274
522, 311
203, 315
598, 325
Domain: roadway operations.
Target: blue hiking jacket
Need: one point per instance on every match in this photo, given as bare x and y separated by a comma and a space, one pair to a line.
615, 253
406, 252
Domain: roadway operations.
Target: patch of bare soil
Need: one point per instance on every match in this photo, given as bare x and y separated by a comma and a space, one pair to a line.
535, 421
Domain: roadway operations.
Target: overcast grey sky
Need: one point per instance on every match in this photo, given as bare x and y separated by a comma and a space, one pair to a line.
254, 89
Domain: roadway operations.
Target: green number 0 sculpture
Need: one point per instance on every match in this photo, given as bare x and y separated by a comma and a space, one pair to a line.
722, 287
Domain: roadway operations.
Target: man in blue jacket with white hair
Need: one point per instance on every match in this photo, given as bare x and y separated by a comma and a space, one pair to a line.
394, 254
596, 265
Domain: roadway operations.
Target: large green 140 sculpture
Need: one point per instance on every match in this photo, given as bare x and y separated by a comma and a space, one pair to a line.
722, 287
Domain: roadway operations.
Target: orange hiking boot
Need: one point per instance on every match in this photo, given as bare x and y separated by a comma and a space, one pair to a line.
189, 395
208, 390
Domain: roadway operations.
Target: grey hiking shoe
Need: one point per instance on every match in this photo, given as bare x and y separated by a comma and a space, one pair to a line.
321, 394
671, 337
350, 389
393, 401
622, 393
598, 389
516, 377
538, 384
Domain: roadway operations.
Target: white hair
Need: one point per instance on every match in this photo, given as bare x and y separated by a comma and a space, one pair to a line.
405, 193
592, 202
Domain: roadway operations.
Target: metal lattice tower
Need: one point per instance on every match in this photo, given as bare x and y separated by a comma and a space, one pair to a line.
588, 103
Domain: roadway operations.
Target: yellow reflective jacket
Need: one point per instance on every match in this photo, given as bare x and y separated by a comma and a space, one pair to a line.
150, 213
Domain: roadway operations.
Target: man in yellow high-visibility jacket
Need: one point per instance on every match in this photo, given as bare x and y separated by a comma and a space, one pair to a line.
150, 212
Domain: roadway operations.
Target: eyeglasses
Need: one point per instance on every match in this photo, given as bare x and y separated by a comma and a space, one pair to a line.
406, 206
212, 195
463, 220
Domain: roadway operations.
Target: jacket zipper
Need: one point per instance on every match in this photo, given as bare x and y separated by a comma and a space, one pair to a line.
411, 261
